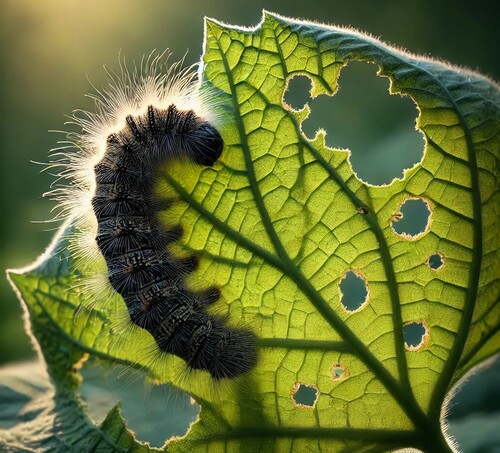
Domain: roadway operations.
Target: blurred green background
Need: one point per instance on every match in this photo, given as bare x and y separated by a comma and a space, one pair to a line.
49, 48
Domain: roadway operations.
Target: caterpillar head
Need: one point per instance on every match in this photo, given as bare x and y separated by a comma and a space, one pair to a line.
203, 144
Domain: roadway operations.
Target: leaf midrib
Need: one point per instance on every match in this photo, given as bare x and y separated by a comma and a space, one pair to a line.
396, 317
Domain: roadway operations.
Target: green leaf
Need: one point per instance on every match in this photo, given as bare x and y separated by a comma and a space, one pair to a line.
54, 419
281, 220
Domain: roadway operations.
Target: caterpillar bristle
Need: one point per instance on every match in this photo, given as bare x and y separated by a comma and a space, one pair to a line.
146, 118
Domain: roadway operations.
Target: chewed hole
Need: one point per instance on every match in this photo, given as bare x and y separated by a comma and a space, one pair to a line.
297, 93
414, 334
339, 373
353, 292
436, 261
169, 412
378, 129
304, 395
413, 219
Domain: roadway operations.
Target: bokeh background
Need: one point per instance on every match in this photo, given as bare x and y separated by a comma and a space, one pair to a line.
50, 47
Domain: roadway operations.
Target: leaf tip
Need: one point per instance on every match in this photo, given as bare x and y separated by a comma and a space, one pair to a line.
266, 15
270, 16
13, 277
209, 24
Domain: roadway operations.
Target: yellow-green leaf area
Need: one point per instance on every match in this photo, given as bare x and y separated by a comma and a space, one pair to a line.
278, 223
296, 217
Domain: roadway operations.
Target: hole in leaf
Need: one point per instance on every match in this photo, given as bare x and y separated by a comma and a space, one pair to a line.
436, 261
378, 129
339, 373
414, 334
304, 395
353, 292
154, 412
413, 219
297, 93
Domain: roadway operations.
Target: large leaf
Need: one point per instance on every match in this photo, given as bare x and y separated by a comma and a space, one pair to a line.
281, 220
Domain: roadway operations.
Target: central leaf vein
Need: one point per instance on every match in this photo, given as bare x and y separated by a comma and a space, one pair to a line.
284, 263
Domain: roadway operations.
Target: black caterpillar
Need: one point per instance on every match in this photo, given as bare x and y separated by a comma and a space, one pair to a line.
140, 267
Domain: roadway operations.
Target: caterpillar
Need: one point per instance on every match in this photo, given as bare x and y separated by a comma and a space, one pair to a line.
157, 117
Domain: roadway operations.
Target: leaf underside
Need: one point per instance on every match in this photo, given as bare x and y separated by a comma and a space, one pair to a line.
277, 224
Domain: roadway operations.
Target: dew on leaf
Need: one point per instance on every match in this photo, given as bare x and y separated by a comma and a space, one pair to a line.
413, 219
436, 261
353, 292
304, 395
414, 334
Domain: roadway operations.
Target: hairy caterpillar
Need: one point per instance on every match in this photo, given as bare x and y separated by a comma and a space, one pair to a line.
144, 120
